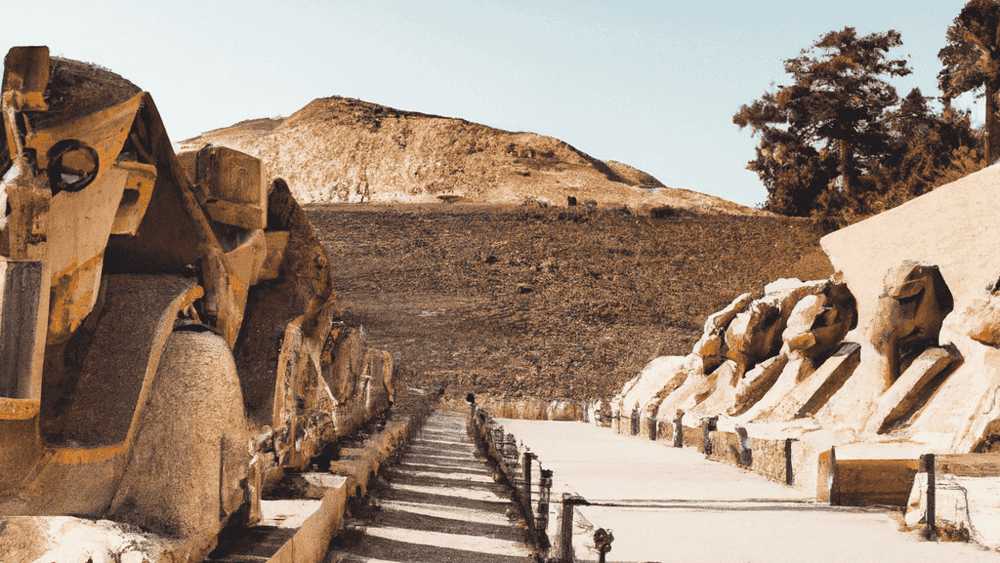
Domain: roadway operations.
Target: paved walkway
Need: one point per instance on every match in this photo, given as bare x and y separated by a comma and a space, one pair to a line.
672, 505
440, 505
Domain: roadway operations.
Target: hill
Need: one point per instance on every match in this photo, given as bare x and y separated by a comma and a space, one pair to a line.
547, 302
345, 150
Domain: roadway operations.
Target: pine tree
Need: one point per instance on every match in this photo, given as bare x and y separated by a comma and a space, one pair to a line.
971, 62
831, 122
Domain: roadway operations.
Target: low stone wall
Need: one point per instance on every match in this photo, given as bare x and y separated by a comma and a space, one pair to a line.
531, 408
782, 460
867, 482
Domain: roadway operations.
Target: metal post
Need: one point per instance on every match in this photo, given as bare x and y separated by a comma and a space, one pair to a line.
931, 531
834, 489
566, 530
789, 474
678, 429
528, 514
566, 526
542, 522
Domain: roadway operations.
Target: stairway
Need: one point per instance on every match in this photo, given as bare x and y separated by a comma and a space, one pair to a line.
440, 504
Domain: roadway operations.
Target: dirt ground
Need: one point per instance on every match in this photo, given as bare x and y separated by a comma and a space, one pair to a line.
547, 302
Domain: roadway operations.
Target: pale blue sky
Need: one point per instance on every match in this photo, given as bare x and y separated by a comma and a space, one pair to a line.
650, 84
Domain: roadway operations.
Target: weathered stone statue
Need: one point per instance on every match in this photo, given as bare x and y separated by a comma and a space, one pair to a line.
910, 311
169, 333
819, 323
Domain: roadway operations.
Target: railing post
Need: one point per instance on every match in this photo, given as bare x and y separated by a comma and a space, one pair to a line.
566, 526
528, 514
679, 429
789, 470
566, 530
542, 522
931, 531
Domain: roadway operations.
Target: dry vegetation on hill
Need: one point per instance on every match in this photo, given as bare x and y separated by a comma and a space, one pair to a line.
344, 150
547, 302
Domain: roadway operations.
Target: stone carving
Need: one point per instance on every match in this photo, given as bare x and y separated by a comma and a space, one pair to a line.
818, 323
910, 311
711, 348
755, 334
165, 359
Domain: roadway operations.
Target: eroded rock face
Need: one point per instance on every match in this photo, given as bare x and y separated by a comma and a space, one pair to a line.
910, 311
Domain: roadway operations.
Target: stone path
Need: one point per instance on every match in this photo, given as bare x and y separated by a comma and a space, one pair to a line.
440, 505
671, 504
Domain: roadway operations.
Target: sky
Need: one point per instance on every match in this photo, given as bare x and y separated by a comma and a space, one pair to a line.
650, 84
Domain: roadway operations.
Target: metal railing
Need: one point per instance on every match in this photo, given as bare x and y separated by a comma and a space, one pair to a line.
517, 465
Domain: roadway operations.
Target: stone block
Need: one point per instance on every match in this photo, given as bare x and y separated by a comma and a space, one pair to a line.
897, 404
233, 183
245, 263
868, 482
769, 458
692, 437
139, 182
26, 72
312, 485
21, 343
727, 448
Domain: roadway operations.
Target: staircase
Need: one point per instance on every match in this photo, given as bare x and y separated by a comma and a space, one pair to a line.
439, 504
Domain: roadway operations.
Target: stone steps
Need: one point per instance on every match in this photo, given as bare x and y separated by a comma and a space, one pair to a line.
306, 510
440, 504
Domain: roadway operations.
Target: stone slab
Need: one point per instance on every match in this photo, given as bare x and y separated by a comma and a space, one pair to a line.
20, 348
867, 482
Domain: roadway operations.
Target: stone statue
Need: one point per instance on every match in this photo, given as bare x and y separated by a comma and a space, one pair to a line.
910, 311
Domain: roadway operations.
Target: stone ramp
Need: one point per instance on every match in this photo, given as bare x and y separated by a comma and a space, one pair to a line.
440, 505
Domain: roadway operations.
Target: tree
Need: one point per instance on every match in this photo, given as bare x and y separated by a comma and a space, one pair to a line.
971, 61
832, 119
929, 149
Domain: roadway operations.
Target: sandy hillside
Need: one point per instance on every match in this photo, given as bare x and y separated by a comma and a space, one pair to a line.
345, 150
550, 302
